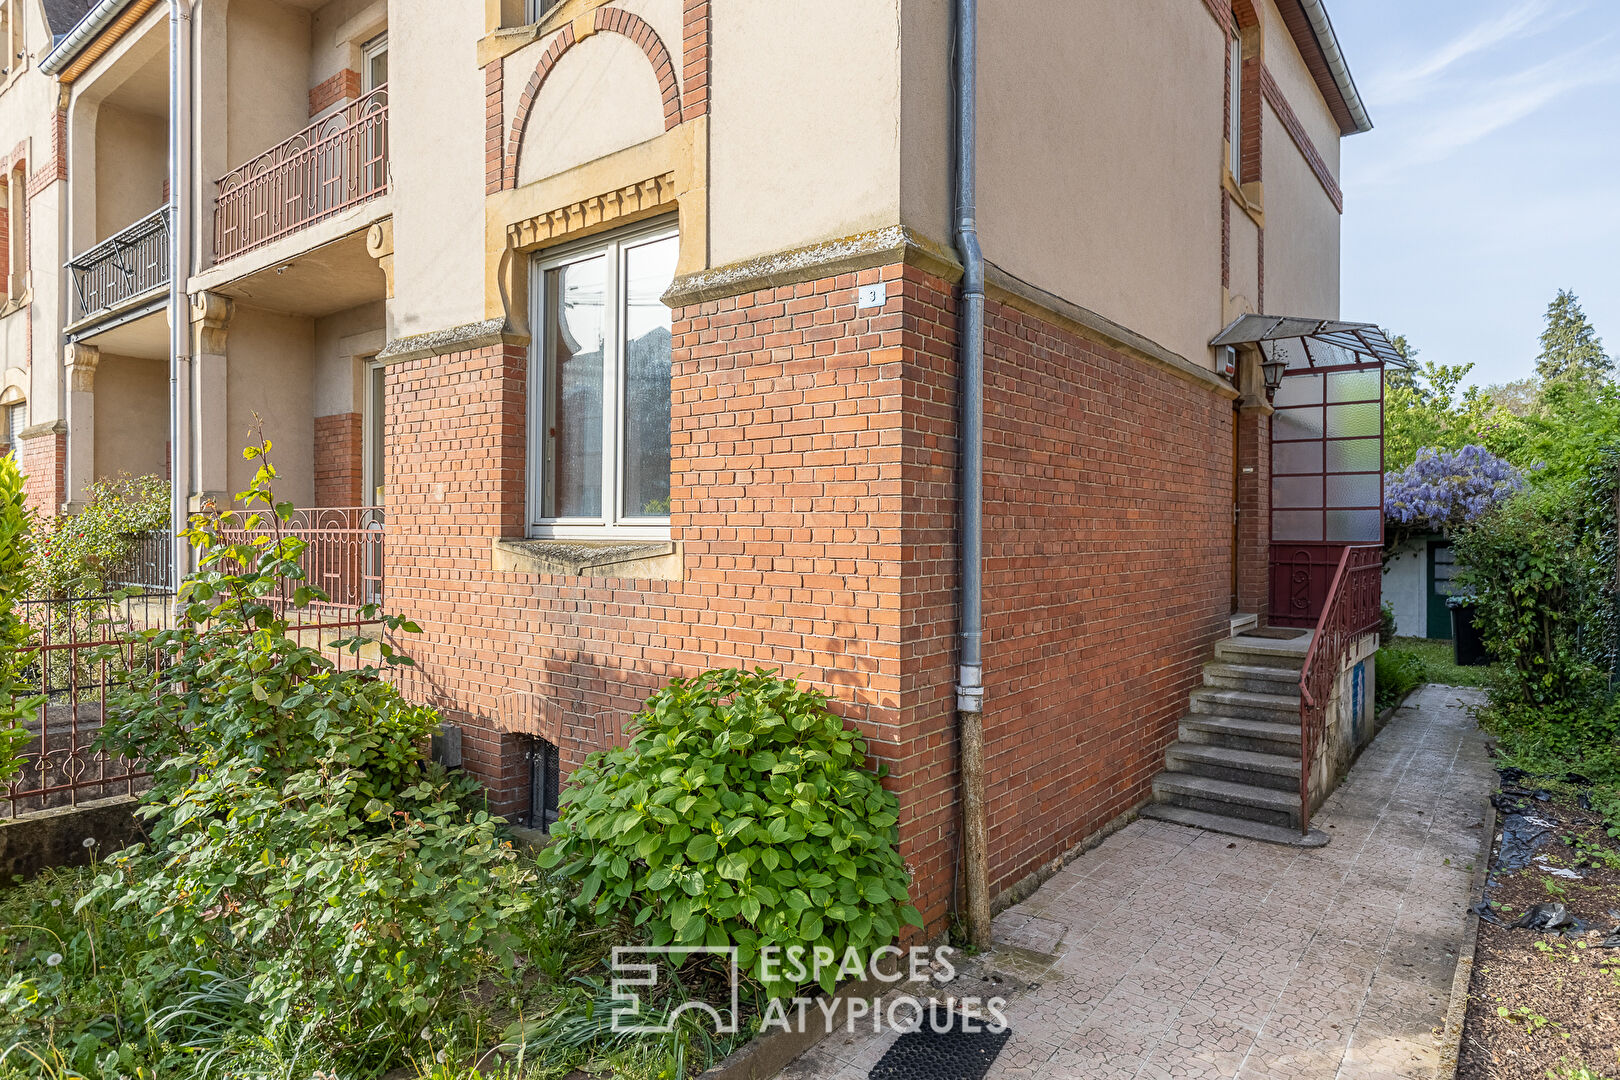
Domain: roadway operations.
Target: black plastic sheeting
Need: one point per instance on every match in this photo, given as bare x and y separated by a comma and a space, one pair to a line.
948, 1054
1523, 834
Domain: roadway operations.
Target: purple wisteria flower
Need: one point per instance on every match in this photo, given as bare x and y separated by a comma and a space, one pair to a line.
1443, 489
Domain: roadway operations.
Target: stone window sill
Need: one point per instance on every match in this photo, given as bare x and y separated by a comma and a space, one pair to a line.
657, 560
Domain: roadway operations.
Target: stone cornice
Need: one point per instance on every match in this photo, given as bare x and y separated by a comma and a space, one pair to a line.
452, 339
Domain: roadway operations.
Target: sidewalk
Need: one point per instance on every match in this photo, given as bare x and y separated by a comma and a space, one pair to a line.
1174, 954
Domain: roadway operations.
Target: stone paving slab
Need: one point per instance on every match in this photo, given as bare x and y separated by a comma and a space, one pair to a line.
1169, 953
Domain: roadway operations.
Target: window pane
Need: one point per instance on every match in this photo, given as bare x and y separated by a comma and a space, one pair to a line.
1355, 526
648, 270
572, 477
1303, 423
1287, 525
1299, 457
1354, 385
1290, 492
1299, 390
1355, 489
1361, 420
1355, 455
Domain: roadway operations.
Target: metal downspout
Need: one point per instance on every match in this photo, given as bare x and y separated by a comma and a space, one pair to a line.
180, 383
970, 681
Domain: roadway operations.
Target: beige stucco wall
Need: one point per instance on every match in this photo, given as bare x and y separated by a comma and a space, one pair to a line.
805, 138
436, 137
27, 109
265, 42
1294, 79
1245, 259
601, 97
132, 416
1099, 186
269, 372
339, 339
131, 166
1302, 232
338, 30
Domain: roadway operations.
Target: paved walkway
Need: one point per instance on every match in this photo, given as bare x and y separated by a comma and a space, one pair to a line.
1174, 954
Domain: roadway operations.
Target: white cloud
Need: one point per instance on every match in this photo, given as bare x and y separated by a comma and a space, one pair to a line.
1403, 84
1476, 109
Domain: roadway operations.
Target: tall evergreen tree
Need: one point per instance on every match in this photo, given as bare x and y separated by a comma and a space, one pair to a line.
1570, 347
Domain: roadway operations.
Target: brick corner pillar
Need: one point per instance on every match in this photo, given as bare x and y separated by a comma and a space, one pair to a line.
42, 453
1254, 493
454, 481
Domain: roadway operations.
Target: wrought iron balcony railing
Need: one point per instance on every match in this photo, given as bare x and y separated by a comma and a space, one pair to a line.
343, 555
335, 163
130, 264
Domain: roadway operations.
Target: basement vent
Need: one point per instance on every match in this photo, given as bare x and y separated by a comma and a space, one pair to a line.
544, 782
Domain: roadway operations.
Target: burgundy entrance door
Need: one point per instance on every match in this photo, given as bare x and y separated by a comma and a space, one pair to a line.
1327, 479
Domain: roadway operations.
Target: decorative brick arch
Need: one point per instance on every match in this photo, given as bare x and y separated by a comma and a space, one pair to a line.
608, 19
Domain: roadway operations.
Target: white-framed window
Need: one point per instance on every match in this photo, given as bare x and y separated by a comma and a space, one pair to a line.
374, 63
12, 422
1235, 120
535, 10
373, 426
599, 395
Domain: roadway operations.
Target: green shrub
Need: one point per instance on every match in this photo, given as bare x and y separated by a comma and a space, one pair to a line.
1396, 674
16, 581
1386, 624
77, 553
1537, 587
742, 812
299, 838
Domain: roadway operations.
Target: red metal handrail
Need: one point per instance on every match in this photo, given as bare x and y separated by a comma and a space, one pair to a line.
335, 163
1351, 610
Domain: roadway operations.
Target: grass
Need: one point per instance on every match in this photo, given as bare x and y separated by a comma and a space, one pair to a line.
1437, 662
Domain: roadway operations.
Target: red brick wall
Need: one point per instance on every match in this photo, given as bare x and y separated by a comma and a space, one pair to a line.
338, 460
344, 86
1107, 547
1254, 512
44, 460
813, 491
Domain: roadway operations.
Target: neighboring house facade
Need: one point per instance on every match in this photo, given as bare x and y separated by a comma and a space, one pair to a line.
638, 320
33, 144
1417, 583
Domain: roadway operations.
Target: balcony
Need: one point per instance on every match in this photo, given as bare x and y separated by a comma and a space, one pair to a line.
116, 272
336, 163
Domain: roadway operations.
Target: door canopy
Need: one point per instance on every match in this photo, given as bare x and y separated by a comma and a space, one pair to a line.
1312, 344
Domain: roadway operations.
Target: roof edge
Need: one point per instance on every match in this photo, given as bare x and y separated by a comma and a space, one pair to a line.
1338, 67
84, 31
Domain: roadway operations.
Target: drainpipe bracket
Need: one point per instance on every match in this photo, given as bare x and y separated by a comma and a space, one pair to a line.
970, 690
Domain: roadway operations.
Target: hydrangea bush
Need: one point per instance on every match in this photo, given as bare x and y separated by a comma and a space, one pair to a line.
1445, 489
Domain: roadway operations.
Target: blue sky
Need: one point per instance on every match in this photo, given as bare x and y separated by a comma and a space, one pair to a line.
1491, 178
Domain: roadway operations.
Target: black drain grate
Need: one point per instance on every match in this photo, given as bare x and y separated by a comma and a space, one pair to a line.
952, 1054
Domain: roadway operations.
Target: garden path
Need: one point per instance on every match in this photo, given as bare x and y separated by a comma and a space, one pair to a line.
1169, 953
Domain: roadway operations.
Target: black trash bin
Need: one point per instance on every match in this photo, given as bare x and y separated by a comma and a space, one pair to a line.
1467, 650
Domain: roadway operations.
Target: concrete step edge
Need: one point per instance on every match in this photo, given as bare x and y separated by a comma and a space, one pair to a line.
1228, 791
1233, 758
1231, 826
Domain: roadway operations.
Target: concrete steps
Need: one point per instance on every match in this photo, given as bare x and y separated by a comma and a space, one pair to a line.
1235, 767
1227, 798
1246, 705
1254, 678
